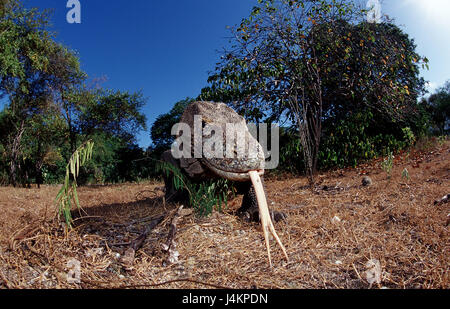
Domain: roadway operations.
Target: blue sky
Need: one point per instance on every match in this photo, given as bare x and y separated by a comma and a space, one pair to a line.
428, 23
166, 48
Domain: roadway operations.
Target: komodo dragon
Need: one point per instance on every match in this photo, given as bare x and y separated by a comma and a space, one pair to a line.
242, 161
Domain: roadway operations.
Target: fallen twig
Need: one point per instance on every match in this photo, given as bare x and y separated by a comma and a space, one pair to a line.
128, 258
174, 281
5, 282
170, 246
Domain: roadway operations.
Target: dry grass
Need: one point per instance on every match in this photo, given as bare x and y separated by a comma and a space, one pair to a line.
394, 221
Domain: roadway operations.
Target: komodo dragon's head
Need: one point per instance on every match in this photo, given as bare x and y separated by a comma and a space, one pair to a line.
239, 151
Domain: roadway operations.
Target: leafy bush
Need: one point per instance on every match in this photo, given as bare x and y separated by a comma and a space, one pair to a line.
291, 158
204, 196
348, 142
437, 106
405, 174
409, 136
388, 164
68, 193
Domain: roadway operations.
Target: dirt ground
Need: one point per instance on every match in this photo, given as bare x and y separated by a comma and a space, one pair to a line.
330, 235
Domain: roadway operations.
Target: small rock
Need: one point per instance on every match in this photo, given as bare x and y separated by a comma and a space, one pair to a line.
238, 233
190, 262
94, 252
366, 181
127, 259
186, 212
278, 216
373, 272
336, 219
443, 200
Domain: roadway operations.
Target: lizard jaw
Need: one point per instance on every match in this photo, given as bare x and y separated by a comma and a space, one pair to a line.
233, 176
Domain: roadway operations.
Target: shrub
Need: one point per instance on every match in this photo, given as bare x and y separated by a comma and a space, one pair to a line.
204, 196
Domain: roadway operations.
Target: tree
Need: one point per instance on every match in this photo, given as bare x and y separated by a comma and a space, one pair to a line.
44, 135
372, 66
49, 104
24, 48
115, 113
161, 129
274, 66
111, 119
438, 106
308, 61
371, 86
67, 89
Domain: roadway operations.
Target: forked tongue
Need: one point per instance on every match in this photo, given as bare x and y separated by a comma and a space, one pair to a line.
266, 221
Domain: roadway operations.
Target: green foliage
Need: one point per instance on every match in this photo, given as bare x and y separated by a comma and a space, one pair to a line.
346, 142
68, 196
50, 111
205, 196
388, 164
116, 161
437, 105
273, 57
372, 66
405, 174
161, 129
409, 136
34, 70
358, 138
320, 61
441, 140
116, 113
291, 159
25, 44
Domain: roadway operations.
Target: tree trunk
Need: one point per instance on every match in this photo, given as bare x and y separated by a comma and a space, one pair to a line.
38, 165
14, 165
72, 139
